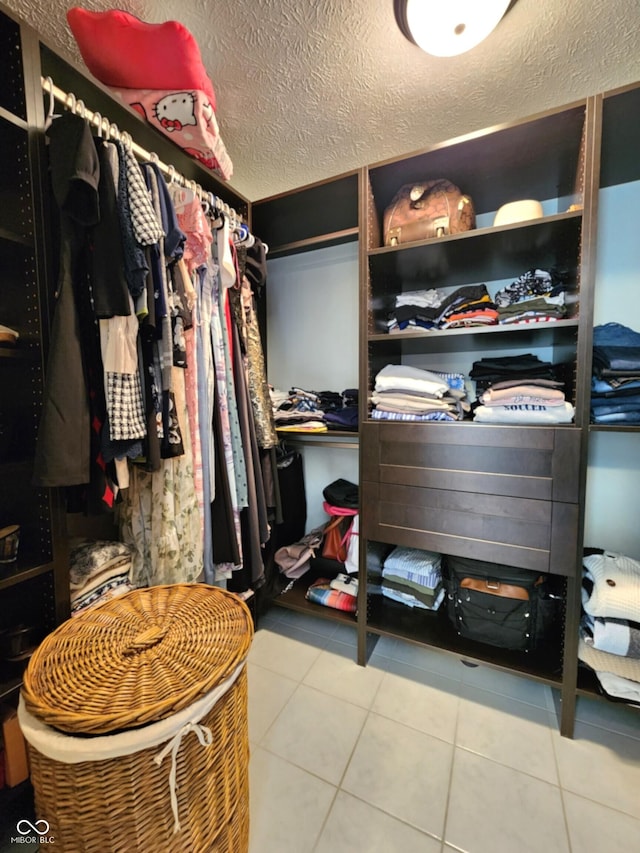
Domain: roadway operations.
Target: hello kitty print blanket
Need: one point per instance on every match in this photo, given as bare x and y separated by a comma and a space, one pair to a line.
187, 117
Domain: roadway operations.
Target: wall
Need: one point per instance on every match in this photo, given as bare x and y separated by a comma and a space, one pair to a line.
613, 477
312, 342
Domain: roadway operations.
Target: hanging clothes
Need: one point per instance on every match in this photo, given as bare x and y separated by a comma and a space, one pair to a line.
151, 379
160, 519
63, 443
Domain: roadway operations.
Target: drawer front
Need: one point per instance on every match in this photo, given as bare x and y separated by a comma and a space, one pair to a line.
537, 535
528, 462
491, 493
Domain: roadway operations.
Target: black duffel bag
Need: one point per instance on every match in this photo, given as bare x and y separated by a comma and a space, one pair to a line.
500, 605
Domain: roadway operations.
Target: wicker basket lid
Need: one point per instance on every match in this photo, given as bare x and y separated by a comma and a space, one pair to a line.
137, 659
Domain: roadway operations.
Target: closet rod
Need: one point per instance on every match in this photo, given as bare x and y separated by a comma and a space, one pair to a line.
112, 131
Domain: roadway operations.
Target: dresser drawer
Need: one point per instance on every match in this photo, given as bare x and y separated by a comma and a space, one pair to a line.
503, 495
527, 462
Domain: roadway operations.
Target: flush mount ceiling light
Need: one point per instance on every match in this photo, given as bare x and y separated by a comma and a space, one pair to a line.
448, 27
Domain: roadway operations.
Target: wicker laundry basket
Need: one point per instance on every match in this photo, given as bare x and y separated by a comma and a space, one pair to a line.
135, 715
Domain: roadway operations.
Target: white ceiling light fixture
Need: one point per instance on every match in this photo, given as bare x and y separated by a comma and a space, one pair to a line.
448, 27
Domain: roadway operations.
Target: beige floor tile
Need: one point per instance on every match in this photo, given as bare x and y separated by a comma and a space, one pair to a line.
594, 828
401, 771
291, 619
507, 731
347, 634
268, 694
288, 806
420, 699
494, 809
316, 732
336, 672
429, 659
507, 684
601, 766
284, 654
613, 716
354, 826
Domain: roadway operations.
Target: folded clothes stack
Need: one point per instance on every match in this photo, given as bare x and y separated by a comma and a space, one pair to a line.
297, 411
536, 296
534, 402
99, 571
300, 410
420, 310
345, 415
413, 577
615, 386
405, 393
519, 390
610, 624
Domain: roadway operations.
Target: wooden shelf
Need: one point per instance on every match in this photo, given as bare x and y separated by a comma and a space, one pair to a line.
614, 428
13, 119
294, 600
487, 254
533, 158
18, 354
436, 334
10, 574
10, 687
433, 629
317, 215
322, 241
331, 438
589, 686
13, 237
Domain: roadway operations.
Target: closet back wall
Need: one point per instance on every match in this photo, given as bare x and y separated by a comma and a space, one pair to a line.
613, 475
312, 342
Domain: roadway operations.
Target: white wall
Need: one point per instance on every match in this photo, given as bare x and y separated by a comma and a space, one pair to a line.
312, 319
312, 342
613, 477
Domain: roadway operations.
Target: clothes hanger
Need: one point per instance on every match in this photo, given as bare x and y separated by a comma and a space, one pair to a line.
204, 200
126, 140
243, 237
71, 102
51, 115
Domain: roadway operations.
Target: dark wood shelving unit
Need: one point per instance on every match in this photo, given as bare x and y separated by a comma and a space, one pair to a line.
489, 492
34, 590
432, 629
424, 485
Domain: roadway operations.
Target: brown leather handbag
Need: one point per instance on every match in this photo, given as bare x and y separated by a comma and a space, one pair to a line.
427, 210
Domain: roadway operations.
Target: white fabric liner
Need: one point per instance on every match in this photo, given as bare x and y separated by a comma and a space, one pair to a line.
70, 749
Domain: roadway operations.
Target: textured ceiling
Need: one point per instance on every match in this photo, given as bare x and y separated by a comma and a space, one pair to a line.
310, 88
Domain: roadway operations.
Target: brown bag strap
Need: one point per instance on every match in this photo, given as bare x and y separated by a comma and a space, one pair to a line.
494, 587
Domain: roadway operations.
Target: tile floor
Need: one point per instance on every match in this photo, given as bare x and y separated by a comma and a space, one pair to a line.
417, 753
